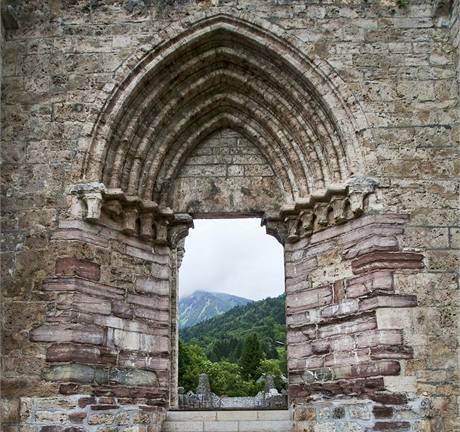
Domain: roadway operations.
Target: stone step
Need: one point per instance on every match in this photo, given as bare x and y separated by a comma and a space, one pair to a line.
228, 421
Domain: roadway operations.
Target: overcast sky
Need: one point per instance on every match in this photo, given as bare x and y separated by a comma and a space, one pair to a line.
234, 256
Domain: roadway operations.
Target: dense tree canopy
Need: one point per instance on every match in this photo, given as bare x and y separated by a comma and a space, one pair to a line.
222, 337
236, 348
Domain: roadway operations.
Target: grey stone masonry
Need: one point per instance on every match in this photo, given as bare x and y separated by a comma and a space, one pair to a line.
80, 413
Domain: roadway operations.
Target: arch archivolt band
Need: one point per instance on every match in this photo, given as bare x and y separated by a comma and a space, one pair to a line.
224, 72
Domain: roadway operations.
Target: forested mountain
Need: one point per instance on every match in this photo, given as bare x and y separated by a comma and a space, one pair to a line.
202, 305
222, 336
236, 348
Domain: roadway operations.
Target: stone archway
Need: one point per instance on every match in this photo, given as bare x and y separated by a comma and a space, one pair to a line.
111, 331
227, 72
230, 76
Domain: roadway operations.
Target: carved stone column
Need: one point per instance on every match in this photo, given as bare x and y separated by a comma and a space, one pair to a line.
177, 232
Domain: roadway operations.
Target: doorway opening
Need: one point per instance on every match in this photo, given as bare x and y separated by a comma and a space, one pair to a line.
232, 320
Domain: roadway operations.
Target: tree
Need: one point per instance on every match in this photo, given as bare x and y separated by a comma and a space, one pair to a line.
226, 379
227, 348
192, 362
251, 356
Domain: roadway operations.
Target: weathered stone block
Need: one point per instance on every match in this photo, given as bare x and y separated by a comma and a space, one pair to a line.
391, 352
68, 333
426, 237
87, 304
402, 384
344, 308
382, 412
373, 244
87, 287
133, 377
346, 358
361, 412
75, 372
308, 298
101, 419
391, 301
444, 261
104, 407
9, 411
376, 368
128, 340
69, 389
79, 353
387, 260
392, 426
379, 337
50, 417
78, 267
373, 281
51, 403
152, 302
301, 350
304, 413
77, 417
152, 286
51, 429
85, 401
345, 327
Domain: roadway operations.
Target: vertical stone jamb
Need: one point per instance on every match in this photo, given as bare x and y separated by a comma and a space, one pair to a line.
176, 236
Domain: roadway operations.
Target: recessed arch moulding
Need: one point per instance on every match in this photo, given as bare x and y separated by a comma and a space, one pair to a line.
225, 119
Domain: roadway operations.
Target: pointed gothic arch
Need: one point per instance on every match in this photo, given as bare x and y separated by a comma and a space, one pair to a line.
225, 72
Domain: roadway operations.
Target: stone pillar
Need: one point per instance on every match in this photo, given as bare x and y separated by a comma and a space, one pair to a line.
109, 335
345, 357
107, 324
203, 391
174, 305
352, 333
176, 236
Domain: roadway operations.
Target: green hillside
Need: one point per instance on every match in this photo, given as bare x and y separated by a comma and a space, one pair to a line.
222, 336
236, 348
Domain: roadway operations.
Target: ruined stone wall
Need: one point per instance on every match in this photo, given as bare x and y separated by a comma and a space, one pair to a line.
353, 331
60, 66
99, 325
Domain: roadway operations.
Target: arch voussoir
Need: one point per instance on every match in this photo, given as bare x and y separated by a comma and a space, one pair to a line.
157, 114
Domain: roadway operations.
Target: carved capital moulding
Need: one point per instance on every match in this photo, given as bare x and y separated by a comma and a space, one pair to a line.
332, 206
335, 205
133, 216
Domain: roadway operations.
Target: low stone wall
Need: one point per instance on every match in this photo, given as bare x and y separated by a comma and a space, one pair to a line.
270, 398
82, 413
260, 401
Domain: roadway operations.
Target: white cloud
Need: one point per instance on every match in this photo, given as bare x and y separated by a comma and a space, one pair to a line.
234, 256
